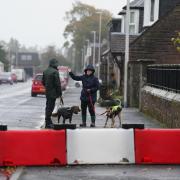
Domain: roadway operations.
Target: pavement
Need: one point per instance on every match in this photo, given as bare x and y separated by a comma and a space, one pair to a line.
128, 115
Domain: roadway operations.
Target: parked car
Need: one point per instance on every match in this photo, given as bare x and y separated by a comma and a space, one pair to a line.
63, 81
20, 73
37, 86
63, 84
78, 84
14, 77
5, 77
63, 72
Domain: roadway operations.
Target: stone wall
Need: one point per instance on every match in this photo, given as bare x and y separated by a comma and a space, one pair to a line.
162, 105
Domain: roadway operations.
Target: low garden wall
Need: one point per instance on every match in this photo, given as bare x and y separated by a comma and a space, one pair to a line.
162, 105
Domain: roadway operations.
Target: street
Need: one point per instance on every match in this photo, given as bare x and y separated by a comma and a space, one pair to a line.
18, 109
21, 111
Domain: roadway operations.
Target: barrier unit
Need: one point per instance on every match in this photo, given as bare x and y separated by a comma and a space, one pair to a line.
100, 146
157, 146
32, 147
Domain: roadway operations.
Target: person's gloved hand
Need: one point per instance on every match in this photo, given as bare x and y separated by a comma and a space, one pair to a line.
88, 90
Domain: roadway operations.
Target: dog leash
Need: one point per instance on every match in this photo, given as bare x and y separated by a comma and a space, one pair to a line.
61, 101
90, 100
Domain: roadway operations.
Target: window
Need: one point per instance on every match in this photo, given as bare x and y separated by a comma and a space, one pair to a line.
132, 17
116, 27
26, 57
29, 57
23, 57
133, 22
152, 10
132, 25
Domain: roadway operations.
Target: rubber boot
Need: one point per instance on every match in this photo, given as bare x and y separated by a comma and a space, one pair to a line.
93, 119
48, 124
83, 121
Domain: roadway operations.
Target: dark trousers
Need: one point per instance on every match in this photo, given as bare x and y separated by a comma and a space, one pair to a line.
50, 104
84, 105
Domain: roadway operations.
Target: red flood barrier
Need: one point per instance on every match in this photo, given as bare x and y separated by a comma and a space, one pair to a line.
32, 147
157, 146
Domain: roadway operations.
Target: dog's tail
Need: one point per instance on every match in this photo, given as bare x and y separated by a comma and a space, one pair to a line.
118, 102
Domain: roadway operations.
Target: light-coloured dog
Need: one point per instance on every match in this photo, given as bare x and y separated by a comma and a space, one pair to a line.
111, 113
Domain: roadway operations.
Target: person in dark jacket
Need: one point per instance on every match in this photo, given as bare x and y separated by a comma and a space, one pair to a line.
52, 84
90, 85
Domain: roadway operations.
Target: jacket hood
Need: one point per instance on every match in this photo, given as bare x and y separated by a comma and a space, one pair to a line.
89, 67
53, 63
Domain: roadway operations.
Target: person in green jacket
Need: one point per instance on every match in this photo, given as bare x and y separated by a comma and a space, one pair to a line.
52, 84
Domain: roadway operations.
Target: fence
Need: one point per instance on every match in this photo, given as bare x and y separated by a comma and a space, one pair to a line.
164, 77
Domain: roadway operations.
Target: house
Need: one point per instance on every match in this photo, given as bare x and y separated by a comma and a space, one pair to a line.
112, 60
155, 9
154, 51
27, 61
154, 46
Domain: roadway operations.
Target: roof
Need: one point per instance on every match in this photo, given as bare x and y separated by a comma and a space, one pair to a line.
105, 52
135, 4
117, 43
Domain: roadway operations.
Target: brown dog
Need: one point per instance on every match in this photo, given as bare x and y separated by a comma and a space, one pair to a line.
67, 113
111, 113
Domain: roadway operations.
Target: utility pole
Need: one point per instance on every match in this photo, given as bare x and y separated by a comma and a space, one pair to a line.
126, 54
84, 56
94, 48
99, 55
73, 57
82, 60
88, 50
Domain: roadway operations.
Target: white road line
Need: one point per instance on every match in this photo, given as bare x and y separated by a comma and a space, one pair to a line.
17, 174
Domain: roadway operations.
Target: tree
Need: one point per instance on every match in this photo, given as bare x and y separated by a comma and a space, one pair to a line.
49, 53
83, 19
3, 58
14, 45
176, 41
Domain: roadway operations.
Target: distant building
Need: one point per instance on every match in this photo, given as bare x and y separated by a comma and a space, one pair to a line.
28, 61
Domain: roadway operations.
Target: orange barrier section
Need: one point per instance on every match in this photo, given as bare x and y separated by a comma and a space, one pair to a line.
32, 147
157, 146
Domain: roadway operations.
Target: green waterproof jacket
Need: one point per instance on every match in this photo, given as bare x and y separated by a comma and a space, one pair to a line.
51, 81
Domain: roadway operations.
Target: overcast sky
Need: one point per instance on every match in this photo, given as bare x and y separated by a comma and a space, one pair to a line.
41, 22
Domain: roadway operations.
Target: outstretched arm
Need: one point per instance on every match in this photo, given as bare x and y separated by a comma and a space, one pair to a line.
74, 77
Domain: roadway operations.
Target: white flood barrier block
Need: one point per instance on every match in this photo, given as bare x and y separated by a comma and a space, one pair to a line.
100, 146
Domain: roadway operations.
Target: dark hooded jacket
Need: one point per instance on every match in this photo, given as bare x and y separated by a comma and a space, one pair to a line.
88, 82
51, 80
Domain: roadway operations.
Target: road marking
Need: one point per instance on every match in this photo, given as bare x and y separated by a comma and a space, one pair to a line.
17, 174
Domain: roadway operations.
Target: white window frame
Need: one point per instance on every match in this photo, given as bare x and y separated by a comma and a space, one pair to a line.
122, 24
147, 12
136, 22
152, 9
